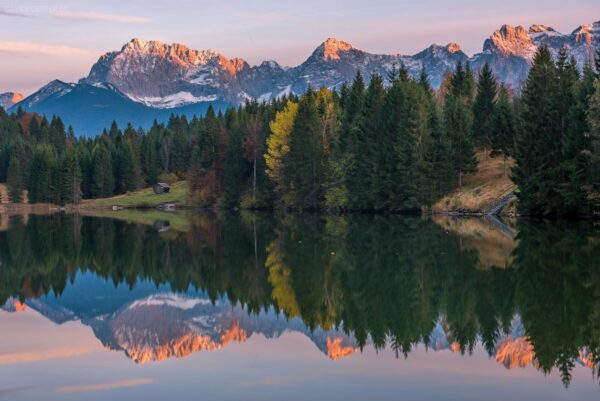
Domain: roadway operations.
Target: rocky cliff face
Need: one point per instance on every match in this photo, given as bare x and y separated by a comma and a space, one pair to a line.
8, 99
164, 76
147, 81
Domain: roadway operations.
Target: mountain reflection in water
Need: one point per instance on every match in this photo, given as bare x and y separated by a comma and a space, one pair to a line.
528, 293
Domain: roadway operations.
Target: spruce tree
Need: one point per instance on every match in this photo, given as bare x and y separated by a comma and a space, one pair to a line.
42, 186
14, 180
593, 154
344, 149
306, 155
538, 142
573, 99
458, 118
483, 107
365, 174
103, 182
413, 145
503, 127
70, 179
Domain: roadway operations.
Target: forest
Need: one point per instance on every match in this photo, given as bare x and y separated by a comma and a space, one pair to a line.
371, 146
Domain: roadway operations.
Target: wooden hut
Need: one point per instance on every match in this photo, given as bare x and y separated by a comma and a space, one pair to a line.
161, 188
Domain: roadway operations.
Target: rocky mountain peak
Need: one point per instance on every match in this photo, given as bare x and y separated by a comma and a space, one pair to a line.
332, 47
453, 47
9, 99
540, 28
587, 33
511, 41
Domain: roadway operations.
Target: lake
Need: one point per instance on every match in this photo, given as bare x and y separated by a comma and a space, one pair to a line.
159, 306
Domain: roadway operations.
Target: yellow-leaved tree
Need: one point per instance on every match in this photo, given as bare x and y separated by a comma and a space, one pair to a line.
278, 146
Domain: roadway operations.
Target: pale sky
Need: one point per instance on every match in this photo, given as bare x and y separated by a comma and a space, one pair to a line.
42, 40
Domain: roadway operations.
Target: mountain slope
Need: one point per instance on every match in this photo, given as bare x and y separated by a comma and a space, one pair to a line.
91, 108
150, 80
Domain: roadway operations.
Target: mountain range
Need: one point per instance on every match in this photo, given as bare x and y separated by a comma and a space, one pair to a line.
150, 324
148, 80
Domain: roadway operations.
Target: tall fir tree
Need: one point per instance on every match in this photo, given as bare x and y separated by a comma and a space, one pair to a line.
70, 179
593, 154
103, 179
538, 140
14, 180
458, 119
306, 155
365, 175
483, 107
42, 186
503, 127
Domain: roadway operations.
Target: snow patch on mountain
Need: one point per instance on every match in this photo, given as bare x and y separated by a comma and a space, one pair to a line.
171, 300
175, 100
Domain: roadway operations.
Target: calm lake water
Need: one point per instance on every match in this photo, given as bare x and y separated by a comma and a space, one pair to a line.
298, 307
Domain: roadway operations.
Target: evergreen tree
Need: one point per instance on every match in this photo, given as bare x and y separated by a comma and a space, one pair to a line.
415, 187
503, 127
440, 155
14, 180
42, 187
233, 169
125, 168
306, 156
70, 179
343, 152
103, 181
458, 119
573, 99
538, 141
364, 175
483, 107
593, 154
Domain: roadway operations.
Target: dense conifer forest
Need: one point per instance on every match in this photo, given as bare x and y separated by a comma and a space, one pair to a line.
366, 147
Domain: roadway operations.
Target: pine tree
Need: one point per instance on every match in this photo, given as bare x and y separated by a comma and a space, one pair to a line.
42, 186
573, 103
14, 180
503, 127
125, 168
233, 169
70, 179
365, 174
103, 182
424, 80
458, 118
483, 107
593, 154
306, 156
538, 142
440, 154
343, 163
415, 187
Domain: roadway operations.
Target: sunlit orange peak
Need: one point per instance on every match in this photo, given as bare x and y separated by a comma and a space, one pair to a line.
332, 47
337, 350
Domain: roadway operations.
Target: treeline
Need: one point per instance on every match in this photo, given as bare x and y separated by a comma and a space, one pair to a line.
395, 147
384, 280
557, 147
